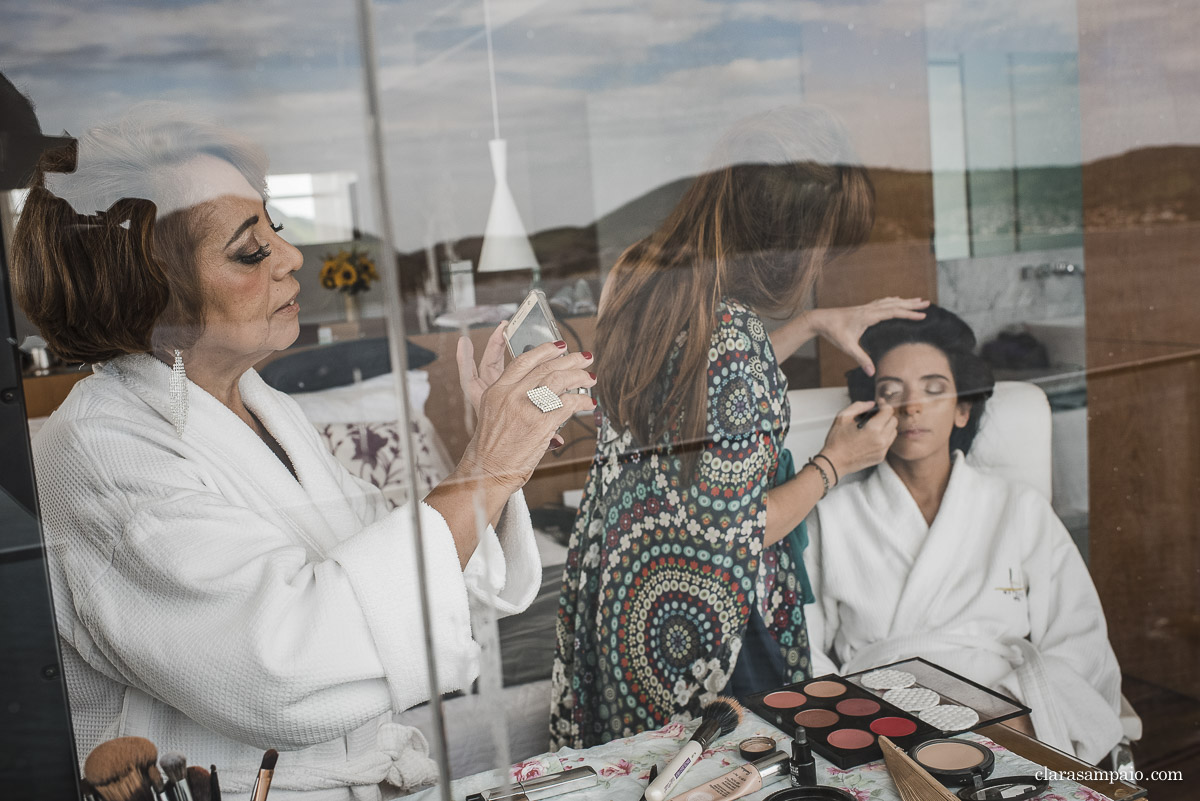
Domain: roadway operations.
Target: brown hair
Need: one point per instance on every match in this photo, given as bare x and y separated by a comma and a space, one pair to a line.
104, 258
757, 231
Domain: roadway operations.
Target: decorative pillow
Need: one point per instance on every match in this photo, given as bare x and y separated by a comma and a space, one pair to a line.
375, 452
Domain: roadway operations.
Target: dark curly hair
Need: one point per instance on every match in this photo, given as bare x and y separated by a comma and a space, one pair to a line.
948, 333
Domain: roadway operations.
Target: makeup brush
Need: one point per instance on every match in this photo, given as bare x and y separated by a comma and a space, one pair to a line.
266, 771
717, 719
174, 764
199, 784
117, 769
912, 781
214, 785
158, 783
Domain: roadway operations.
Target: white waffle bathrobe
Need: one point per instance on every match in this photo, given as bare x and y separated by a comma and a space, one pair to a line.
208, 601
994, 590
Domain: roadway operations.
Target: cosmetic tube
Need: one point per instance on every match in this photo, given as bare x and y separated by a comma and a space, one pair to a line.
542, 787
803, 766
740, 781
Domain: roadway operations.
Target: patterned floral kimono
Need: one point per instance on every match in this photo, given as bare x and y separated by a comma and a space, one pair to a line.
665, 569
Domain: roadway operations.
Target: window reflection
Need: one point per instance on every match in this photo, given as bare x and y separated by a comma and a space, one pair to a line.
1031, 162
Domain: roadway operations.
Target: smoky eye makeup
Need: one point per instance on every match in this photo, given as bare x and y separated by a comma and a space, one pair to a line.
254, 256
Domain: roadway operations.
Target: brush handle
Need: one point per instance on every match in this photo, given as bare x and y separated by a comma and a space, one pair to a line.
262, 785
674, 771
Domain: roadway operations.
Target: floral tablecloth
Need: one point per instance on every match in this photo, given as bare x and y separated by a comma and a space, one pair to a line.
624, 767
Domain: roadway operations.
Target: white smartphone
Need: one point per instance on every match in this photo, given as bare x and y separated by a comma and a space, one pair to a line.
532, 325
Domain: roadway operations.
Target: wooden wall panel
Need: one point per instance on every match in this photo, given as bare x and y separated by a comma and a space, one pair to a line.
1144, 453
1141, 144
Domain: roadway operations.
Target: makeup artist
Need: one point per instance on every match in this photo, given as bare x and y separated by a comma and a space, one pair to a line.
222, 584
684, 577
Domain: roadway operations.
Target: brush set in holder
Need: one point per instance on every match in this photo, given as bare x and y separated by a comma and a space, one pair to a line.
129, 769
910, 701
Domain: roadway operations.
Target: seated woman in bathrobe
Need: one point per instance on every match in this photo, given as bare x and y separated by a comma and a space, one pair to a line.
222, 585
929, 557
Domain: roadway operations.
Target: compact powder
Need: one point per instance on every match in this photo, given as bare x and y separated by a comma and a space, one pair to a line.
857, 707
948, 756
893, 727
753, 748
817, 718
850, 739
825, 689
784, 699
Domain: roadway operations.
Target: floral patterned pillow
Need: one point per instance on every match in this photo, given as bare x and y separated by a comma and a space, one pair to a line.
375, 452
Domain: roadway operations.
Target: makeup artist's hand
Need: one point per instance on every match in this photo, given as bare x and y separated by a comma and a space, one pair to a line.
844, 326
512, 433
851, 448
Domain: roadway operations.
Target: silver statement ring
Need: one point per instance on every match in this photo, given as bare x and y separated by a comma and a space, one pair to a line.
544, 398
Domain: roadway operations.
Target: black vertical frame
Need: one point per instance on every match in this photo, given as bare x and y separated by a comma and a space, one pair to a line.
37, 746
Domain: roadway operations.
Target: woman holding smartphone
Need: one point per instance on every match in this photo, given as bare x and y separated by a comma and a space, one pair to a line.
685, 575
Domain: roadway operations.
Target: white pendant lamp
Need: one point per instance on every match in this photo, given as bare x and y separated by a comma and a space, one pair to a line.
506, 246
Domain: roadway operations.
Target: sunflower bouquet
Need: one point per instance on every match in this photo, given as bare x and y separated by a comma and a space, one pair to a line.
349, 271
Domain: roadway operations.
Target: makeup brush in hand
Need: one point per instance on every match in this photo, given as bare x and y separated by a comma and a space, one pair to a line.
717, 719
174, 764
266, 771
118, 769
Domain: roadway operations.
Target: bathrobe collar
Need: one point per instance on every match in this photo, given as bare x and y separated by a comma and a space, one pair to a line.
945, 544
313, 502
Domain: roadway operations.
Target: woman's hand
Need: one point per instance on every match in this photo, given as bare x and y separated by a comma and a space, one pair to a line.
851, 448
512, 433
844, 326
476, 379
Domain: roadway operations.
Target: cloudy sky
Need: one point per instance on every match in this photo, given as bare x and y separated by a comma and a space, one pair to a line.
600, 100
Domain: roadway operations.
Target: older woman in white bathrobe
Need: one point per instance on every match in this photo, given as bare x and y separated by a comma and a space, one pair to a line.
222, 584
928, 557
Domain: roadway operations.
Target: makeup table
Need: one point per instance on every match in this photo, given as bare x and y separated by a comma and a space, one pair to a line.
623, 766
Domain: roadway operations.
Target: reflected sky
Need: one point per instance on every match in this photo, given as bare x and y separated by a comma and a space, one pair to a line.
601, 100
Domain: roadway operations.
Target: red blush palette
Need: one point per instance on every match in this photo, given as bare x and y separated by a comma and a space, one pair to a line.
841, 718
908, 702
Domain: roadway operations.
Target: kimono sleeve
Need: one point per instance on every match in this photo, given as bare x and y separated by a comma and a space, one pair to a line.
744, 428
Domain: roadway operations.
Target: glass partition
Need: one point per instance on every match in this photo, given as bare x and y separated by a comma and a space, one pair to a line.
431, 163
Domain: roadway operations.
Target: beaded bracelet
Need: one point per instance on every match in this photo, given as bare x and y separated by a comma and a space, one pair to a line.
824, 477
836, 478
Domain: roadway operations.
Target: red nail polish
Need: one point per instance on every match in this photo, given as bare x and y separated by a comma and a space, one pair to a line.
560, 344
593, 403
591, 375
587, 354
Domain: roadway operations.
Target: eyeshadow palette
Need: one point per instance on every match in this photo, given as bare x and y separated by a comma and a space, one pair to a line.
909, 702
